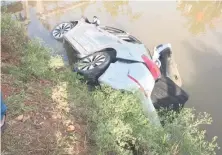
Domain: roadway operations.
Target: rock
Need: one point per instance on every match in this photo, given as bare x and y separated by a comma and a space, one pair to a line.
59, 116
37, 126
56, 116
67, 122
71, 128
19, 118
11, 122
41, 123
25, 118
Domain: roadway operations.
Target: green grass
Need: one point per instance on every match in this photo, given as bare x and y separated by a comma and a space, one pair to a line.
113, 119
15, 104
13, 36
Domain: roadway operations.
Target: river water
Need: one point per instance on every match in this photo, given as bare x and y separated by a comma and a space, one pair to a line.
193, 28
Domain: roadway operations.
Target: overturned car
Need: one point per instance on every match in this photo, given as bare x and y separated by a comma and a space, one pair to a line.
114, 57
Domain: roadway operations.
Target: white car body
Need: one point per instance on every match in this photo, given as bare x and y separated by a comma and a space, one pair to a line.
88, 38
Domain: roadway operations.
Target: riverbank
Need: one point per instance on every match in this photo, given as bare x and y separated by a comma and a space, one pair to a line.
51, 111
38, 118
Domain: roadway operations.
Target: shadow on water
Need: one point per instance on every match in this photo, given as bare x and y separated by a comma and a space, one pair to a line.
205, 89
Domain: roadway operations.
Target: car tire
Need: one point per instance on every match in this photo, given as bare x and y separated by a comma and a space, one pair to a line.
62, 28
166, 94
93, 65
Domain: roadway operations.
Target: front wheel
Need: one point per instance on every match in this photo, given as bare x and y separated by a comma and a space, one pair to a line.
61, 29
94, 65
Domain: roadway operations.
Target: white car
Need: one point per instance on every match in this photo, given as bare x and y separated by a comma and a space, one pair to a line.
114, 57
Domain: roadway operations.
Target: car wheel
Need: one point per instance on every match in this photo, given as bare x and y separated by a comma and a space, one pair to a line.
59, 31
94, 65
166, 94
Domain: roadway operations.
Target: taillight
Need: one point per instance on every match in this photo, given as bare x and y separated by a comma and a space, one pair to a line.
155, 71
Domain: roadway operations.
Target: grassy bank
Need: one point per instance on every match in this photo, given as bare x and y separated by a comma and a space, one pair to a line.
51, 111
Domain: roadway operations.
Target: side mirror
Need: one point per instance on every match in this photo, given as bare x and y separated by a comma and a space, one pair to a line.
159, 49
96, 21
157, 52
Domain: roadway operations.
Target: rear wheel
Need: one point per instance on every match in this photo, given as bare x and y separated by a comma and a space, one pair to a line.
166, 94
94, 65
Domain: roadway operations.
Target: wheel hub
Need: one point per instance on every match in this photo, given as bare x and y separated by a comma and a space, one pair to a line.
61, 29
91, 62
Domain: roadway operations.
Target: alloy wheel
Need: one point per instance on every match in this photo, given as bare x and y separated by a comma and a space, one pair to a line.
91, 62
61, 29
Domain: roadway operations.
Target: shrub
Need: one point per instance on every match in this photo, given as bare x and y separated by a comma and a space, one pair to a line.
121, 123
13, 36
36, 59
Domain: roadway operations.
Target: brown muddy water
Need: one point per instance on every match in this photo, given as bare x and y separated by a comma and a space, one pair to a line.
193, 28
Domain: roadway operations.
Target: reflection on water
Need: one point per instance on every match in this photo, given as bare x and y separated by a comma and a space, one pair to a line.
201, 14
47, 9
120, 8
84, 6
116, 8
